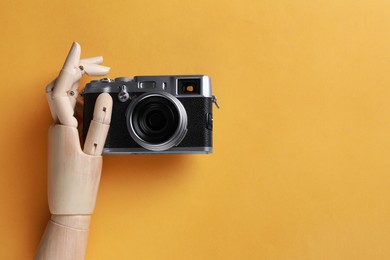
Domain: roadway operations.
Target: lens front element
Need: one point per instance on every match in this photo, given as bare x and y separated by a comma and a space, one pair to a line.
157, 121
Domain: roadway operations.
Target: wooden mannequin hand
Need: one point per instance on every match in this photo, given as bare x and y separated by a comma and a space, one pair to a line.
73, 173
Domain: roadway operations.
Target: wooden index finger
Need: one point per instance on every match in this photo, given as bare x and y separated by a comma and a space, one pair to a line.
67, 75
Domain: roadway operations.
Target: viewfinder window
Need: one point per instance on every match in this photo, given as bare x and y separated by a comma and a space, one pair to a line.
188, 86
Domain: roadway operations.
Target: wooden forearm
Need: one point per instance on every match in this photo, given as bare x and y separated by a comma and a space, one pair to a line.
65, 237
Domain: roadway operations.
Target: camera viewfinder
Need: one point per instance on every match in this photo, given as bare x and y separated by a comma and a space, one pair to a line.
188, 86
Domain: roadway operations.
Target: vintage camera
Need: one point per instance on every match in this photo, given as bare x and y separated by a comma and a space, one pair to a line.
155, 114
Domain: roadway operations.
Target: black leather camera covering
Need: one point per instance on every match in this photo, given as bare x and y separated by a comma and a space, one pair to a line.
199, 132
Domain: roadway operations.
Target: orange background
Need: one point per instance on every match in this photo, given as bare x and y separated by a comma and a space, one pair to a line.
302, 142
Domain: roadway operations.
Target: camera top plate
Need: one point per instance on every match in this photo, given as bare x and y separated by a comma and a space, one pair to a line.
178, 85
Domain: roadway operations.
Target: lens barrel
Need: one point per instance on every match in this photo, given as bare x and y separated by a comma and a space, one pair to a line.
157, 121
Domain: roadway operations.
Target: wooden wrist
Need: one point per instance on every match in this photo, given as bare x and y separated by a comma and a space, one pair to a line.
65, 237
80, 222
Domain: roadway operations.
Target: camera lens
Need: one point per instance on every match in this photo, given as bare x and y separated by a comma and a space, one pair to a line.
157, 121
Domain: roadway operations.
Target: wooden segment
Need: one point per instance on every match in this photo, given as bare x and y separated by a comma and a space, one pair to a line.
61, 242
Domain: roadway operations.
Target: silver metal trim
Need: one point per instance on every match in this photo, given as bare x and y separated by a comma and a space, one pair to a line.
106, 80
174, 150
206, 86
176, 138
165, 84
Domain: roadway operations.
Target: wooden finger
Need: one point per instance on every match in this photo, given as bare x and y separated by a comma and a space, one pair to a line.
100, 124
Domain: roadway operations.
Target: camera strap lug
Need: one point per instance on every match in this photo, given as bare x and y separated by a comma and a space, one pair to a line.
214, 100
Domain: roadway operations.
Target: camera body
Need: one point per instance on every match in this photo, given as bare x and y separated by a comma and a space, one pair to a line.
155, 114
